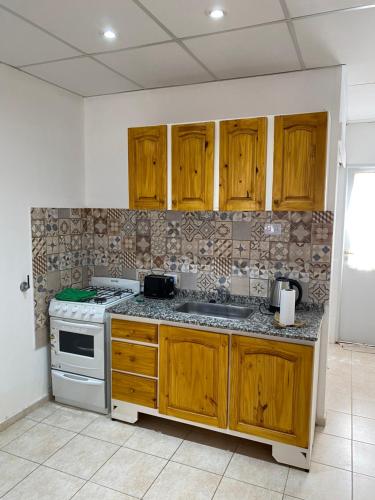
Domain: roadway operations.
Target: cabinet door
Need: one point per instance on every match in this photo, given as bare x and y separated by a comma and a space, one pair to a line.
271, 385
243, 148
193, 375
300, 162
147, 164
193, 166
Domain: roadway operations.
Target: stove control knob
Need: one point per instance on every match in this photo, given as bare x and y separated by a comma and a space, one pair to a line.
65, 309
92, 312
74, 310
84, 312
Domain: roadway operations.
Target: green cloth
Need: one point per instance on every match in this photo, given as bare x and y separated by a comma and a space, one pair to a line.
75, 295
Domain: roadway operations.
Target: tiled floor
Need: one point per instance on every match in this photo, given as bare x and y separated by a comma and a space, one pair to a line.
58, 453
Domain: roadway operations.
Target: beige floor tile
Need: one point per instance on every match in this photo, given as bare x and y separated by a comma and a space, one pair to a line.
43, 411
364, 458
363, 408
109, 430
130, 472
364, 429
321, 483
337, 424
230, 489
364, 359
253, 464
70, 419
15, 430
153, 442
46, 484
363, 487
332, 450
180, 482
206, 450
39, 443
339, 381
13, 470
91, 491
337, 400
82, 456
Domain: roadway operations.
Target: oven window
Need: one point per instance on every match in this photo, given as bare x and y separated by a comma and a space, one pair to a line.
76, 343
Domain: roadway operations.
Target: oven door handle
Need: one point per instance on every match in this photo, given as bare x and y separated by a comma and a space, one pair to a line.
78, 378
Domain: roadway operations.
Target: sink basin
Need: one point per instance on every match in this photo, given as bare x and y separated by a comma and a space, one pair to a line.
218, 310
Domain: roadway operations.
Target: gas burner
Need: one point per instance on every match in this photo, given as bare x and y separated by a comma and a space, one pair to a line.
100, 300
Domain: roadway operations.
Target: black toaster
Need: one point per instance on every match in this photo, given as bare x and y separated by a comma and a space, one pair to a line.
158, 286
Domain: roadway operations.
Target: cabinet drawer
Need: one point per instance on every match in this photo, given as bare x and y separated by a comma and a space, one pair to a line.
135, 358
143, 332
133, 389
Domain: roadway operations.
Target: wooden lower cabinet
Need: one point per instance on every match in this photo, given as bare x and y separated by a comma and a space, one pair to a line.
134, 330
132, 389
193, 375
135, 358
271, 384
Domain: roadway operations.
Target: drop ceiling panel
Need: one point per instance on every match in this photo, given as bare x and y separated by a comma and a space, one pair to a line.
189, 17
22, 43
81, 75
305, 7
157, 66
81, 22
340, 38
253, 51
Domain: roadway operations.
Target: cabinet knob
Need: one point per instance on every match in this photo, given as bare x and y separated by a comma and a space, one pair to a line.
276, 202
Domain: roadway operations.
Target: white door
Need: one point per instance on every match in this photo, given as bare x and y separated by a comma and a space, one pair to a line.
357, 317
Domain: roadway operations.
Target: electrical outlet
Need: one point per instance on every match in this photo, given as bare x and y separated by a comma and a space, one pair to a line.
272, 229
176, 278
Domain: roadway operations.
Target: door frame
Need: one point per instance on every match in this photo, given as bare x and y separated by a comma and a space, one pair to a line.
341, 223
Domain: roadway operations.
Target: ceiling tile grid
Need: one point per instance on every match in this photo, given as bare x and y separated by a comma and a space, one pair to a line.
81, 22
157, 65
254, 51
82, 75
175, 42
30, 45
342, 37
189, 17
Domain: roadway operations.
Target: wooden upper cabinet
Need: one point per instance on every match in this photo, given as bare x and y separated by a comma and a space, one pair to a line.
193, 375
147, 150
299, 175
193, 166
243, 149
271, 384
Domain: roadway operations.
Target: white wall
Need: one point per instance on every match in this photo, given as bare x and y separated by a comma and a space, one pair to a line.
361, 102
107, 119
360, 144
41, 164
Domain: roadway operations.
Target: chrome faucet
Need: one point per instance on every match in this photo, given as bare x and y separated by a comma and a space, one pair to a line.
223, 294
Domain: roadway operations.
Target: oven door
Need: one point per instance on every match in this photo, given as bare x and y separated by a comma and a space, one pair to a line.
78, 348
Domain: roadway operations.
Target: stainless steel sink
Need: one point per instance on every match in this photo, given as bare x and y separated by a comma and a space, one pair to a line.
218, 310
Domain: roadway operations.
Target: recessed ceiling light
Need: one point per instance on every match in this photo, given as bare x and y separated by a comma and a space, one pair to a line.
109, 34
216, 13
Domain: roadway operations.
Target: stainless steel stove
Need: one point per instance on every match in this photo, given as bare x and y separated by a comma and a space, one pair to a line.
79, 334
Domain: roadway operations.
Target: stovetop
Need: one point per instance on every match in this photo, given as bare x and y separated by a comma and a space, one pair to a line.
109, 291
107, 295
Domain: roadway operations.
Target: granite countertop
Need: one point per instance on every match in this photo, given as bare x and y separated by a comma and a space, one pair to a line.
259, 322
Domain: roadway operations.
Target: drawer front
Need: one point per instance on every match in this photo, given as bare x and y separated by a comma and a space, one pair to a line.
133, 389
143, 332
135, 358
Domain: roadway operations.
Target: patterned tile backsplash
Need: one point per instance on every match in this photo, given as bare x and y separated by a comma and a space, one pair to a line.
207, 250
